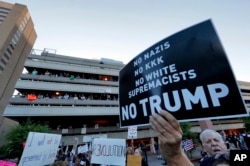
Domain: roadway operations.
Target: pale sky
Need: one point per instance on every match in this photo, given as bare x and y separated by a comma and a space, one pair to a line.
122, 29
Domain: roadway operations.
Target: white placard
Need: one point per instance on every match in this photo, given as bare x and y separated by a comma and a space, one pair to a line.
40, 149
109, 151
83, 149
132, 132
75, 146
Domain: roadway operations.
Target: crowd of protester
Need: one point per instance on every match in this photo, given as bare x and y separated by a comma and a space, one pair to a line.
68, 96
73, 76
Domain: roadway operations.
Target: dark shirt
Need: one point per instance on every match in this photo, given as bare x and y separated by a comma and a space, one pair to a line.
207, 161
156, 146
86, 161
247, 140
143, 162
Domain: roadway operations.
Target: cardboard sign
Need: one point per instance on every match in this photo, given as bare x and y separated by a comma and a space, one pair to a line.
133, 160
187, 74
108, 151
40, 149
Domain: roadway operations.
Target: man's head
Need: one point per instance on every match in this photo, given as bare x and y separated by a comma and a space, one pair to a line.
212, 142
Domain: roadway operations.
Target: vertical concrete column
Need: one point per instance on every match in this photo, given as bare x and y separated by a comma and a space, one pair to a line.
206, 124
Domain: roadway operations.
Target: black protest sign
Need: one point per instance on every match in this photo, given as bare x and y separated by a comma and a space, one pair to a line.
187, 74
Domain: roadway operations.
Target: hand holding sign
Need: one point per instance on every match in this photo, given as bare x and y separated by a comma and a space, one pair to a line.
169, 133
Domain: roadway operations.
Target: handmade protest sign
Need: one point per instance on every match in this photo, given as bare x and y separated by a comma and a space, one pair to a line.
187, 74
108, 151
40, 149
132, 132
83, 149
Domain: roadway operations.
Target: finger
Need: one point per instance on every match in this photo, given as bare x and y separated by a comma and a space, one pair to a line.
164, 131
157, 123
166, 128
171, 119
162, 124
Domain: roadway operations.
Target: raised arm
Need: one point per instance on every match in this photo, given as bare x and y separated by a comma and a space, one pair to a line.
169, 134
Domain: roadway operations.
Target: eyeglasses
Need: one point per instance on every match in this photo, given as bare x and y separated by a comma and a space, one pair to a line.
225, 156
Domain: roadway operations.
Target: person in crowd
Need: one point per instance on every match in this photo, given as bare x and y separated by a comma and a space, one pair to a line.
84, 159
60, 163
170, 134
83, 97
143, 147
241, 144
66, 96
158, 155
34, 72
77, 162
69, 157
129, 151
247, 139
75, 97
138, 152
228, 142
60, 155
234, 140
223, 135
213, 143
47, 73
61, 159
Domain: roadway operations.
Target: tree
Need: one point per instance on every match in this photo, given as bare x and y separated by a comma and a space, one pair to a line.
246, 121
185, 126
17, 135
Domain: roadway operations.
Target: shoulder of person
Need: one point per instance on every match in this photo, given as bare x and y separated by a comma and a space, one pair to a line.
207, 161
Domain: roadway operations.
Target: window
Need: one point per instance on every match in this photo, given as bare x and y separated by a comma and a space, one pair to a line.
3, 61
6, 56
1, 68
9, 51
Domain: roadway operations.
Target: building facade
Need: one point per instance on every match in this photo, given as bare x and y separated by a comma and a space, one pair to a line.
17, 37
79, 97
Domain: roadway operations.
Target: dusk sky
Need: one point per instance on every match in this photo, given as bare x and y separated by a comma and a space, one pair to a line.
121, 30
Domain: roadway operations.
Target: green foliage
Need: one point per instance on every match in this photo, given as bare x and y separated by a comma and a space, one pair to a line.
246, 121
17, 135
185, 126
